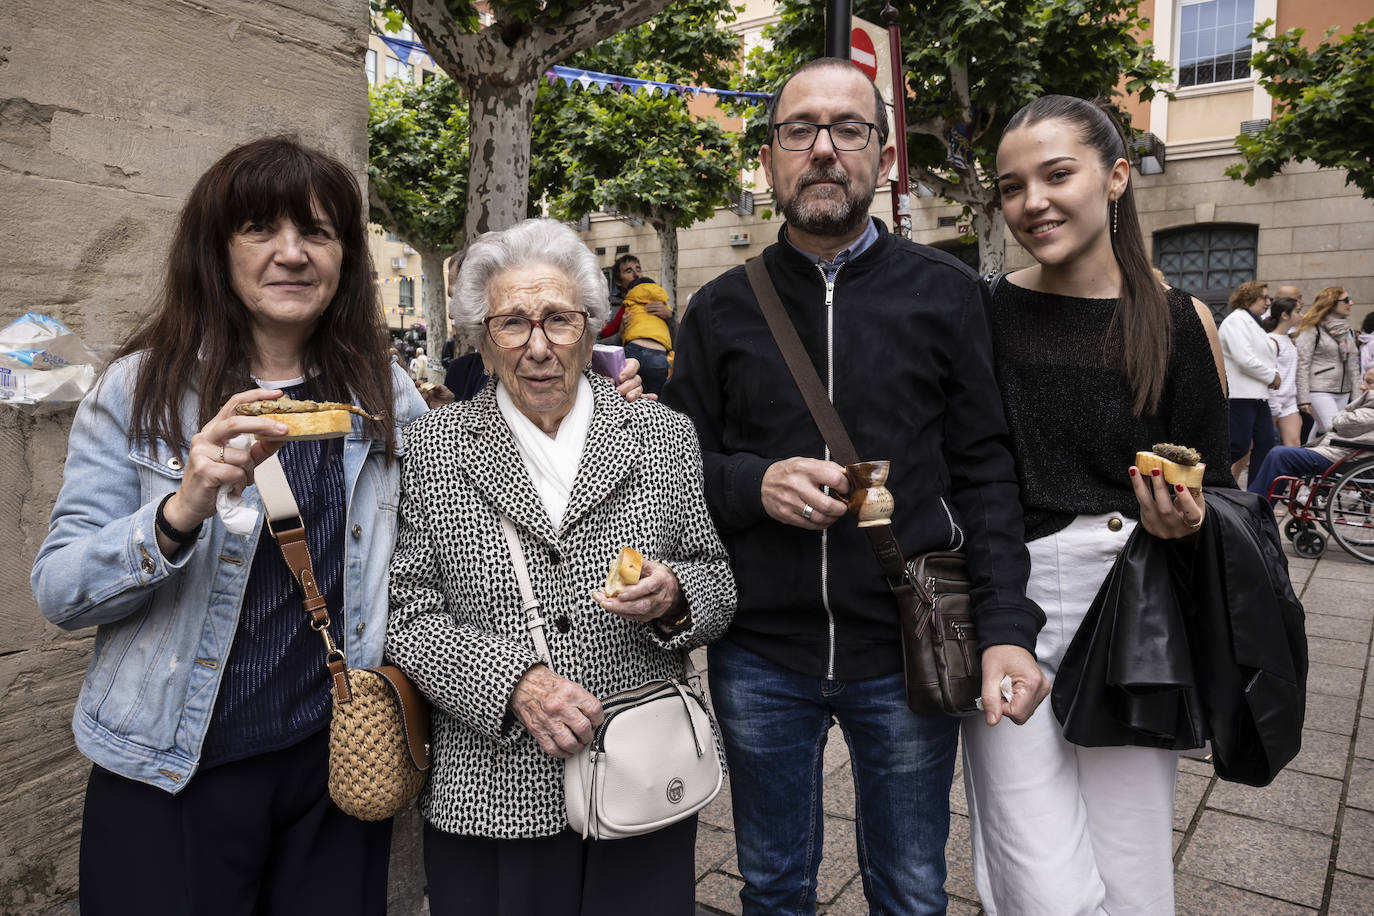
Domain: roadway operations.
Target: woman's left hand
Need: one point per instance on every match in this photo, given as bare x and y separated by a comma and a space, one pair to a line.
654, 595
630, 385
1163, 514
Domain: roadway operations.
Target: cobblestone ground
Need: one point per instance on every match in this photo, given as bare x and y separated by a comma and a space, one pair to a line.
1303, 845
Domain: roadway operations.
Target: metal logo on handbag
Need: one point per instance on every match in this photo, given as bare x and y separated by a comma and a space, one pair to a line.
643, 769
653, 760
939, 638
379, 726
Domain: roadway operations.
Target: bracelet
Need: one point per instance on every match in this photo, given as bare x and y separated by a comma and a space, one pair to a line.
683, 619
164, 526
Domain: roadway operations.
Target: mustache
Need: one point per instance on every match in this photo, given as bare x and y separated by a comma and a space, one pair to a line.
832, 174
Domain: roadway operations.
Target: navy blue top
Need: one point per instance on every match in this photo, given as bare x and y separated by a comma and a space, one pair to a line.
275, 689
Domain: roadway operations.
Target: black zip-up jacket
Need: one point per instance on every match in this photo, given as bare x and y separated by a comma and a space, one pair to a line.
906, 355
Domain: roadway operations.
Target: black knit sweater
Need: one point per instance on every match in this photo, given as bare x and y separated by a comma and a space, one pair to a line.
1068, 405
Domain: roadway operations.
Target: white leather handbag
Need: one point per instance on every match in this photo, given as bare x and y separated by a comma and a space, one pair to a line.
653, 760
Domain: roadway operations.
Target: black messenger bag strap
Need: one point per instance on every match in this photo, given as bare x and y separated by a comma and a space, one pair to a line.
823, 412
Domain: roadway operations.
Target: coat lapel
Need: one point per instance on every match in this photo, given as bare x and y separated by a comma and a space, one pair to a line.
487, 453
611, 451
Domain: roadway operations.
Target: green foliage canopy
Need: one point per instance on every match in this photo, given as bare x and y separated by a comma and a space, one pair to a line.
1323, 106
418, 161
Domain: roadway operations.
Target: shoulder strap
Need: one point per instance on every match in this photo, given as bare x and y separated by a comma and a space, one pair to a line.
533, 622
992, 279
880, 537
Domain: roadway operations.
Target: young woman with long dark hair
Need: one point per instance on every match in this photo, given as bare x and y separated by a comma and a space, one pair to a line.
1095, 360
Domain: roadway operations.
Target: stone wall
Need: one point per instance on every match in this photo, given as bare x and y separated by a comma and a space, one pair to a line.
108, 113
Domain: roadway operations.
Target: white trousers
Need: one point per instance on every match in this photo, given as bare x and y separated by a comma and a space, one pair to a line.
1061, 830
1325, 406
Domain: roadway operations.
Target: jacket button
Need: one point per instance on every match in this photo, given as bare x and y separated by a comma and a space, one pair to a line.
1114, 524
362, 625
174, 463
357, 531
146, 564
563, 623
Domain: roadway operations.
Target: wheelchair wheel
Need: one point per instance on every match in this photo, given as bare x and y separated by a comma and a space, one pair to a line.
1291, 528
1350, 510
1310, 544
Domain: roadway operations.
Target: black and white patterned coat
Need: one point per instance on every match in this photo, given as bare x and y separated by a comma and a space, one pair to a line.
456, 624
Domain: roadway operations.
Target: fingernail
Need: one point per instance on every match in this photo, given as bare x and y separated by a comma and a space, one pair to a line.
1178, 487
1155, 472
1135, 471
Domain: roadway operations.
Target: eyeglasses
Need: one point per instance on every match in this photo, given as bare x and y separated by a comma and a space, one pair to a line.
511, 332
845, 136
1345, 299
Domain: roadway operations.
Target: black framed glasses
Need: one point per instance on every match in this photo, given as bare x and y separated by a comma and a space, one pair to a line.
846, 136
511, 332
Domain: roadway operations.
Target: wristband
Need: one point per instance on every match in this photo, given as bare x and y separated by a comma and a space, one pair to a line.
164, 526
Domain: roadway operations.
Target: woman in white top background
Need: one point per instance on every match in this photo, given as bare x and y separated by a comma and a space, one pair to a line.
1250, 374
1283, 400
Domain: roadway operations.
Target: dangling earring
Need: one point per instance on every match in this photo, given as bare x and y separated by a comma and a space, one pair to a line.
1115, 207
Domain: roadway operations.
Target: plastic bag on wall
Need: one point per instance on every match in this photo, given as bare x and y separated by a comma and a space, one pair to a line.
44, 366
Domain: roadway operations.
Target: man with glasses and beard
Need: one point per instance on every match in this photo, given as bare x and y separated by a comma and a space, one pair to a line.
897, 332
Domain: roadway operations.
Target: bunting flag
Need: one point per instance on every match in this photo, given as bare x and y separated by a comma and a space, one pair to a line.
590, 80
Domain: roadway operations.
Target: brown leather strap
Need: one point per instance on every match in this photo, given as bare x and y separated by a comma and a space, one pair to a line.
827, 419
296, 552
414, 713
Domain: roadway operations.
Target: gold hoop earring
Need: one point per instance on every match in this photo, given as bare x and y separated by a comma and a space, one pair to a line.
1116, 206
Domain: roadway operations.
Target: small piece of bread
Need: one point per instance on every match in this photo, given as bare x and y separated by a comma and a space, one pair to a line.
322, 424
624, 571
1174, 472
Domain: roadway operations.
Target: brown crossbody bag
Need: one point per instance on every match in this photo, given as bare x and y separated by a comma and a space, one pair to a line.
940, 658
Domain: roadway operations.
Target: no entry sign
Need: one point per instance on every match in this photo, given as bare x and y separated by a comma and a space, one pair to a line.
863, 54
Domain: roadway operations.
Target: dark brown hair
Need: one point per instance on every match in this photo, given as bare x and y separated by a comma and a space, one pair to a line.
1279, 309
1142, 330
879, 118
200, 334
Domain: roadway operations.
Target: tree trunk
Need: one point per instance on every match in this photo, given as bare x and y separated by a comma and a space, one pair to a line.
435, 310
666, 228
499, 135
992, 238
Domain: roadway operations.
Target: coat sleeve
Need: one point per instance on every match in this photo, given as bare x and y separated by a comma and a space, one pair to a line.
1306, 342
984, 485
466, 671
734, 480
1240, 348
100, 561
698, 557
1357, 420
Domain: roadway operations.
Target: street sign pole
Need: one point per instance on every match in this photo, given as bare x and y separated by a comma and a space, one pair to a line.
901, 200
837, 14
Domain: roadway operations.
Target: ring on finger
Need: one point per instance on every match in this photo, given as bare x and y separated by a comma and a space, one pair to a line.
1197, 524
220, 459
807, 510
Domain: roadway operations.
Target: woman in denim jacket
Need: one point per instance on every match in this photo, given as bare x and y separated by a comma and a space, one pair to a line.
206, 702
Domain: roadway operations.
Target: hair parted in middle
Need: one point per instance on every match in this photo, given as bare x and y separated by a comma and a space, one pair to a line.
532, 241
1141, 332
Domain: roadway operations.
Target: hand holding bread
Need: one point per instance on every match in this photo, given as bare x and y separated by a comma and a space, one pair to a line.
1167, 481
640, 590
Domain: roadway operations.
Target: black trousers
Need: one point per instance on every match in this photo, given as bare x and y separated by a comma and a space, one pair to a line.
562, 875
257, 836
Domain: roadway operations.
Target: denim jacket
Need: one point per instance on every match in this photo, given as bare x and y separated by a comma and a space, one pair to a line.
165, 625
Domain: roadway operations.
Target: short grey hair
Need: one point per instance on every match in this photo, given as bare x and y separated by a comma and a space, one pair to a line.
533, 241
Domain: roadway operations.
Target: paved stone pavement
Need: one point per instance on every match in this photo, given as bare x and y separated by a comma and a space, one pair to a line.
1303, 845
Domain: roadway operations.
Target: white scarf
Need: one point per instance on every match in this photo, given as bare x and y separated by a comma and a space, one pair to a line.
550, 460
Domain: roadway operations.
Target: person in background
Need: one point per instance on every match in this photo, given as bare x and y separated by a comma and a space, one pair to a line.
1283, 400
206, 706
1250, 375
1353, 424
1367, 342
1095, 360
1289, 291
1328, 357
647, 337
626, 273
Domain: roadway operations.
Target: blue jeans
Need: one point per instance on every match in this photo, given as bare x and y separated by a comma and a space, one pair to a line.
1285, 461
774, 723
653, 366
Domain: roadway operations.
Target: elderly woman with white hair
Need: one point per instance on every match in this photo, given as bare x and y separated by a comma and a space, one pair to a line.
581, 473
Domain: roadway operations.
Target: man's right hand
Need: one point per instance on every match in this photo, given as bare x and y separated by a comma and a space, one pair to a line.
791, 485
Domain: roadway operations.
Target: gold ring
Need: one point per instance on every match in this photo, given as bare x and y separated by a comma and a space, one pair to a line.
220, 459
1197, 524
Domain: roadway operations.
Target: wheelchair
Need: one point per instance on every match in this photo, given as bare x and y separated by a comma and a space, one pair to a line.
1339, 501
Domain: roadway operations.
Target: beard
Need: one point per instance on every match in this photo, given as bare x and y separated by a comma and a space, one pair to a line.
826, 216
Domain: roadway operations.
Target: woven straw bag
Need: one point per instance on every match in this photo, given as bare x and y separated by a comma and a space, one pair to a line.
378, 742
